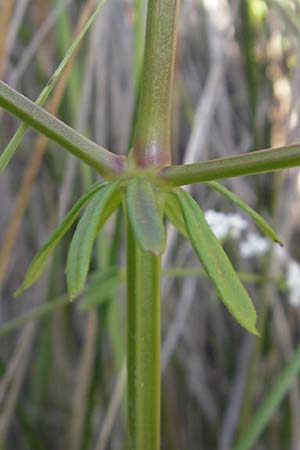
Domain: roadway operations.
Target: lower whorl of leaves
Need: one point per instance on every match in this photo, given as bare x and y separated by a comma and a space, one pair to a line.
39, 262
216, 263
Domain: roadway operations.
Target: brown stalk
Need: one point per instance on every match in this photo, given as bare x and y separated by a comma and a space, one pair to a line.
6, 7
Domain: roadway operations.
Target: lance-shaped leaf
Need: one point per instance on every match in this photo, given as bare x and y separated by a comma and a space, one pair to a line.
12, 146
216, 263
257, 218
80, 250
39, 262
145, 216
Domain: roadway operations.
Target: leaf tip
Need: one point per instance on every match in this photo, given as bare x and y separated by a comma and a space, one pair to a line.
255, 332
18, 292
156, 252
279, 242
72, 294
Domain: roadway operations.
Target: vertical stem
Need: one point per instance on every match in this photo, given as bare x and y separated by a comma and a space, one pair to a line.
143, 346
152, 140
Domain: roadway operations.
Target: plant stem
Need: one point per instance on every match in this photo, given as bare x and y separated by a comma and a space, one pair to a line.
143, 346
152, 139
246, 164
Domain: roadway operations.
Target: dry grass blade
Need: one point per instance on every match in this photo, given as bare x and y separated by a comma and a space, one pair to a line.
5, 15
112, 410
36, 159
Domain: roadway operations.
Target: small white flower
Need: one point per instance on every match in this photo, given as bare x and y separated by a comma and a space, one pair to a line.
293, 282
224, 225
236, 225
253, 245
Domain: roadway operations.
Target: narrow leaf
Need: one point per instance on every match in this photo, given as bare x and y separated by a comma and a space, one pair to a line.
174, 214
12, 146
145, 216
257, 218
216, 263
39, 262
101, 287
269, 405
80, 250
111, 206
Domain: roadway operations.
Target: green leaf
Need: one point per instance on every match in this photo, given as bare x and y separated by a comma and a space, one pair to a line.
216, 263
145, 216
39, 262
101, 287
12, 146
174, 214
80, 250
269, 405
257, 218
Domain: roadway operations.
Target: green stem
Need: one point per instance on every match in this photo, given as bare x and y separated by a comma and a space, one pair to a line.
152, 140
246, 164
105, 162
143, 346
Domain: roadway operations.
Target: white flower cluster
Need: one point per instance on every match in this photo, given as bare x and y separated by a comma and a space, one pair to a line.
292, 276
293, 282
232, 225
253, 245
225, 225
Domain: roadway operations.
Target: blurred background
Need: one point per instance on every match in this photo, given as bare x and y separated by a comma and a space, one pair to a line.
236, 89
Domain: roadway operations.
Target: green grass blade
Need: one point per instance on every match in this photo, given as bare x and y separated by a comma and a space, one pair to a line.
39, 262
145, 216
216, 263
38, 313
80, 250
105, 162
257, 218
269, 405
12, 146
